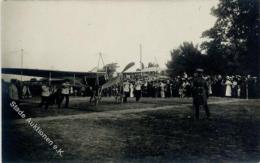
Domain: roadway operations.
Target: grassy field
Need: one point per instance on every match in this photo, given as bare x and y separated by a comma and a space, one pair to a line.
153, 130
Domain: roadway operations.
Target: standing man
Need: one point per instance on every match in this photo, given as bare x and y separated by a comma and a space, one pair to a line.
126, 88
45, 95
94, 94
138, 85
200, 93
65, 92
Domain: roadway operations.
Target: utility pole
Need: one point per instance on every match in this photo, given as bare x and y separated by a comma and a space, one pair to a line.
141, 66
22, 50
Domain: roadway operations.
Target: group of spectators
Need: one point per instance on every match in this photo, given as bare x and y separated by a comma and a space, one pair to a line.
235, 86
50, 93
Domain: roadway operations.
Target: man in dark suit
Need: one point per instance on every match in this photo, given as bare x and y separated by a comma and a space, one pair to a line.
200, 93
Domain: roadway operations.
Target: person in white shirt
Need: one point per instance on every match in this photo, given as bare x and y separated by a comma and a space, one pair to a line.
65, 93
45, 95
126, 89
138, 85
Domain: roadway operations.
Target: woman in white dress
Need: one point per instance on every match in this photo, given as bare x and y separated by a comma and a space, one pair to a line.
131, 90
228, 84
162, 85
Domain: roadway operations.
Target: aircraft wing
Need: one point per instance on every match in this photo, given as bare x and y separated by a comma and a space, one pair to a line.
50, 73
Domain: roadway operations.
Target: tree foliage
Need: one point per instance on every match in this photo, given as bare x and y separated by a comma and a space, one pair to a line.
233, 40
231, 46
186, 58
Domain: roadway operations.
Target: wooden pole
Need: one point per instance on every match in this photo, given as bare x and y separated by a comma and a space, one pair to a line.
22, 64
141, 59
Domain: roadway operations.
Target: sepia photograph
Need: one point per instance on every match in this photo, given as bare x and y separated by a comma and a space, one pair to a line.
130, 81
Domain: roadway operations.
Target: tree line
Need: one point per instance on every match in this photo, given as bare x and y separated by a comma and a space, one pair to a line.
231, 46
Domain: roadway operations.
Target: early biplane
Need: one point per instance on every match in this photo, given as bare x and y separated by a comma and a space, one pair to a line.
116, 81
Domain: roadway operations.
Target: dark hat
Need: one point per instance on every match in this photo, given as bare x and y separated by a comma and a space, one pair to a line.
199, 70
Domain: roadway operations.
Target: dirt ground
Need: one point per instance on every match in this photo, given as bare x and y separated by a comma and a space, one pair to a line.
153, 130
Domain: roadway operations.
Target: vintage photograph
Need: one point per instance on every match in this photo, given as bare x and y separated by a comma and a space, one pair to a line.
130, 81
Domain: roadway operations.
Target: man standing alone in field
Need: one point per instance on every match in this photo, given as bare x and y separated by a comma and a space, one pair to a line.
200, 93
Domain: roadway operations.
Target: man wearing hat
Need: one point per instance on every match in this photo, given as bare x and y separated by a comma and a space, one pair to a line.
200, 93
65, 93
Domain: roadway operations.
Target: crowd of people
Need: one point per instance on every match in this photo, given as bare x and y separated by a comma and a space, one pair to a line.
50, 94
234, 86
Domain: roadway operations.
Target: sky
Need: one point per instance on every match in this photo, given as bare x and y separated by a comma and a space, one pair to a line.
69, 35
